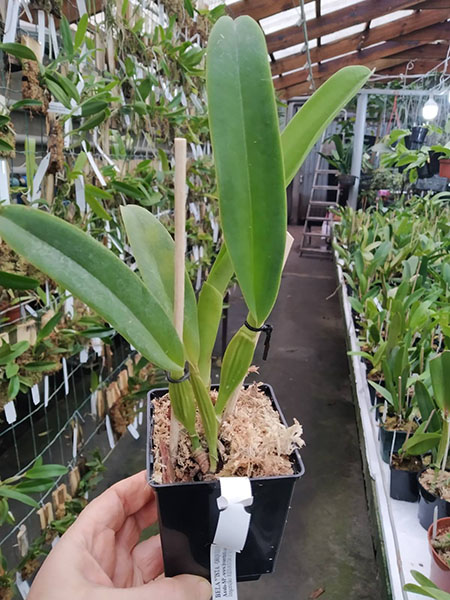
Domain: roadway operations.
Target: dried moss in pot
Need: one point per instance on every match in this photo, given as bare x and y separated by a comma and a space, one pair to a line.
32, 88
252, 441
55, 146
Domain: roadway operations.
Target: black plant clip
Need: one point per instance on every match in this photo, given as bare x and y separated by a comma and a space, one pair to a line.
267, 328
185, 376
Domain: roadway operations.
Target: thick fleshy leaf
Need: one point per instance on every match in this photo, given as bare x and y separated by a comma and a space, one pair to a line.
154, 251
100, 279
440, 379
306, 127
17, 282
247, 152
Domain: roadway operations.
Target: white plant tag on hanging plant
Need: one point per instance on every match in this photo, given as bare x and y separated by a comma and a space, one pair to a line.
68, 306
84, 355
94, 403
37, 179
109, 432
41, 33
22, 586
134, 432
54, 37
4, 181
75, 441
35, 394
66, 377
46, 390
32, 312
141, 412
12, 18
10, 412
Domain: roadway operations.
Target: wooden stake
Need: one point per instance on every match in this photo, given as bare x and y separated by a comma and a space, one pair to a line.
180, 248
180, 233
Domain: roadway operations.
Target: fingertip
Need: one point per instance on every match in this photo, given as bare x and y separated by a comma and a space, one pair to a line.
199, 587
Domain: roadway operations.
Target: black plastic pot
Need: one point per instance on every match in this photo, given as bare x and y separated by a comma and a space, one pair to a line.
423, 172
427, 504
372, 394
188, 515
386, 437
418, 134
433, 166
404, 485
346, 181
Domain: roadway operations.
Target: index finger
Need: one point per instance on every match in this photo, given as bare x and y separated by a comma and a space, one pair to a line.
124, 499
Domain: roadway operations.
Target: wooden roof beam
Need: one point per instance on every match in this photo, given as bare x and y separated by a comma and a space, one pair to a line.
303, 89
354, 14
381, 33
356, 58
260, 9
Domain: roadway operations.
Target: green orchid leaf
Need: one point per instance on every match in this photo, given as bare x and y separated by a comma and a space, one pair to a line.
249, 164
17, 282
96, 276
39, 471
10, 492
25, 103
419, 443
305, 128
210, 304
10, 353
5, 147
154, 251
440, 379
18, 50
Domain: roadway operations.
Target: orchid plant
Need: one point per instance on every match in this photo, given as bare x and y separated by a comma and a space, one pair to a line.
254, 164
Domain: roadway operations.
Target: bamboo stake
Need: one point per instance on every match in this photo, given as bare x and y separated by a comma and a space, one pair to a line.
180, 246
180, 233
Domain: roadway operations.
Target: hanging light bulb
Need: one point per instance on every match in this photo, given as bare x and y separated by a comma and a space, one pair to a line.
430, 109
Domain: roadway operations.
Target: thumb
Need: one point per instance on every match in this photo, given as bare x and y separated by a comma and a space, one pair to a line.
181, 587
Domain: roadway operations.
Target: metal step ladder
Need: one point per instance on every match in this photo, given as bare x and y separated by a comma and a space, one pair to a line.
315, 206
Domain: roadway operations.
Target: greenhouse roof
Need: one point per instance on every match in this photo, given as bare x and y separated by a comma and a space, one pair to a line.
391, 36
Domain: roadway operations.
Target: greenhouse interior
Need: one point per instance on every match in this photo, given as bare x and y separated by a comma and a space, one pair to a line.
224, 299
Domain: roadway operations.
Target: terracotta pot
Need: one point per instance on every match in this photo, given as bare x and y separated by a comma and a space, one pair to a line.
439, 572
444, 167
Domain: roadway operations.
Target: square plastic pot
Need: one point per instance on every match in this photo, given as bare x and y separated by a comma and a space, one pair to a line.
188, 514
404, 485
386, 438
427, 504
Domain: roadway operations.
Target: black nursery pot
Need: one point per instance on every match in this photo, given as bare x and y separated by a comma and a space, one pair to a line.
346, 181
427, 504
418, 134
404, 485
386, 437
188, 514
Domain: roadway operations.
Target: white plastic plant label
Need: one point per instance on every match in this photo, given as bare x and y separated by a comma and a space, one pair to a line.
84, 355
10, 412
134, 432
37, 179
35, 394
94, 403
66, 377
22, 586
109, 432
141, 412
75, 441
4, 181
223, 573
231, 534
69, 306
52, 28
46, 391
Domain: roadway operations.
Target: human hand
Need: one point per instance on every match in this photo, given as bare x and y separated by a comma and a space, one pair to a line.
100, 557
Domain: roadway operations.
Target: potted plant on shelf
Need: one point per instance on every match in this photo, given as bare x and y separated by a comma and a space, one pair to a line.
439, 546
254, 164
444, 159
407, 463
434, 482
